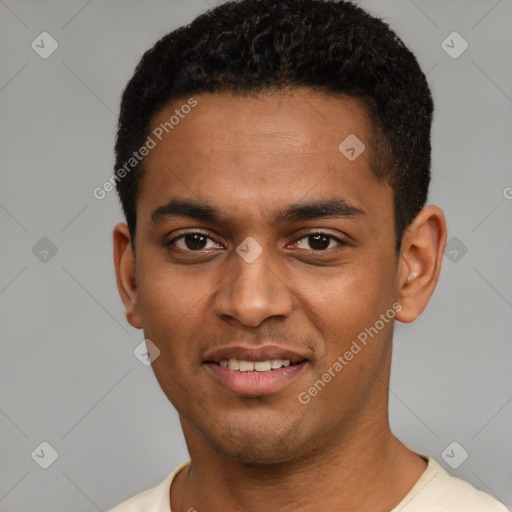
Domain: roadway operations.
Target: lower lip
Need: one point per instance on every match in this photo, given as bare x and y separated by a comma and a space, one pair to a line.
255, 383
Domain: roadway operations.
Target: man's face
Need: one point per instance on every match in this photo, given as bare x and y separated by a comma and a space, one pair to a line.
320, 279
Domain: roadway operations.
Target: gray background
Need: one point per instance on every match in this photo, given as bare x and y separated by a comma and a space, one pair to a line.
68, 373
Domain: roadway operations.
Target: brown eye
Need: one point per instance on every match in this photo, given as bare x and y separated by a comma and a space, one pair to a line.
319, 242
193, 241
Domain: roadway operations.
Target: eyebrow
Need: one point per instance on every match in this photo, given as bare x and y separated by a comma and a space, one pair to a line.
310, 210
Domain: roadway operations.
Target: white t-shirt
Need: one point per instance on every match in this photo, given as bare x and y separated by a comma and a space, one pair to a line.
435, 491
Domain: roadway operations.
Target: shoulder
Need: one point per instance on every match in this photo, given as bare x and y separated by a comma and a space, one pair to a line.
154, 499
438, 491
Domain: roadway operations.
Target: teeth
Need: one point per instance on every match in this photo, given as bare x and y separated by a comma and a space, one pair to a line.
246, 366
233, 364
263, 366
259, 366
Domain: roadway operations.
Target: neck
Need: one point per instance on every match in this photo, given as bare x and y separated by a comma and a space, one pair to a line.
365, 470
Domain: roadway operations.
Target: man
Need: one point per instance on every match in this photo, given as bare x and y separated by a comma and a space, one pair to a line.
273, 163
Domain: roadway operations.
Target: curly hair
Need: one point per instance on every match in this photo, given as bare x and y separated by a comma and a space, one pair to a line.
252, 46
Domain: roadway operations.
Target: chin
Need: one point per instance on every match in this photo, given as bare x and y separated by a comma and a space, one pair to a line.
259, 442
254, 454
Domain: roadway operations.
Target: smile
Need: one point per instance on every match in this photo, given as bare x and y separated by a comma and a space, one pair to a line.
254, 378
254, 366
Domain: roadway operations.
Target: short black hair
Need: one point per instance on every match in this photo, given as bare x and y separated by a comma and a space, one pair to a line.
253, 46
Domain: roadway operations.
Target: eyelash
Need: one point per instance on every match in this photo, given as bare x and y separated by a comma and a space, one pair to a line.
325, 251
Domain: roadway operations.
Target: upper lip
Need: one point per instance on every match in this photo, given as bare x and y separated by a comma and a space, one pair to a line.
260, 353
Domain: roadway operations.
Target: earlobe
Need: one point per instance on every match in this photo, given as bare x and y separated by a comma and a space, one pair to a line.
420, 262
124, 262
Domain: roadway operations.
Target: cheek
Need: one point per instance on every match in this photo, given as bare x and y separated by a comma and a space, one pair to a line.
173, 308
172, 312
348, 299
166, 292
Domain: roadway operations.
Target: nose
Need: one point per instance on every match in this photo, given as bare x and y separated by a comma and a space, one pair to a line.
252, 292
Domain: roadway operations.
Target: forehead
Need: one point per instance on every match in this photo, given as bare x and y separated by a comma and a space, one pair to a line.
306, 123
243, 151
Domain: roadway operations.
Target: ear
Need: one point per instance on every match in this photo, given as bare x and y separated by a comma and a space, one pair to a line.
124, 262
420, 263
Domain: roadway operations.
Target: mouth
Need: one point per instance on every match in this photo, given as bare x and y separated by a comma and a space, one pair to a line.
269, 365
251, 372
